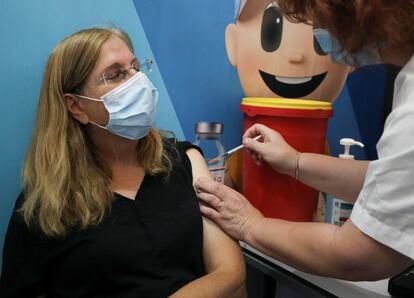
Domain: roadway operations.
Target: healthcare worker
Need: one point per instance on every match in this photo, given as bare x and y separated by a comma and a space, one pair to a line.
378, 240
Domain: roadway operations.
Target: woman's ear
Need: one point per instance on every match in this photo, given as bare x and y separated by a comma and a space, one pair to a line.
231, 38
75, 108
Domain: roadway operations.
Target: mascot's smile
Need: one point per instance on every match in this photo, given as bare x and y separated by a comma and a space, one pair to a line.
290, 87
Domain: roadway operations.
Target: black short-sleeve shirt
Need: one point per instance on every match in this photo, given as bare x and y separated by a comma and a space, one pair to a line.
147, 247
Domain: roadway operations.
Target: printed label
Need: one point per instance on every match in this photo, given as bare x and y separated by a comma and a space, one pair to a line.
218, 173
341, 211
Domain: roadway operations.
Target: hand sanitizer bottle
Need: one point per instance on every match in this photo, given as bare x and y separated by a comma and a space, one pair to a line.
208, 135
338, 211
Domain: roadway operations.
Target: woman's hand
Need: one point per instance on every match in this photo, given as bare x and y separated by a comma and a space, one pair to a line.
227, 208
271, 148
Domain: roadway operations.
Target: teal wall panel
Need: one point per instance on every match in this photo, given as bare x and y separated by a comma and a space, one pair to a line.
29, 31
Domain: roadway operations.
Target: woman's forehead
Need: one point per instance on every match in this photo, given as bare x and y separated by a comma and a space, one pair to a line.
114, 50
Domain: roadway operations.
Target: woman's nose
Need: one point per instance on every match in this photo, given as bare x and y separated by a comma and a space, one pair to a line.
296, 57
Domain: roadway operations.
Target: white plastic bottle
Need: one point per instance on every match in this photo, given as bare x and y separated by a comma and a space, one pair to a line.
338, 211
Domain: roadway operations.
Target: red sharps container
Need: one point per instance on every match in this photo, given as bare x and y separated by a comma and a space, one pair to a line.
303, 124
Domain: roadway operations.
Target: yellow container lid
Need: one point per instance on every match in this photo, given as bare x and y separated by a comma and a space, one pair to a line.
285, 103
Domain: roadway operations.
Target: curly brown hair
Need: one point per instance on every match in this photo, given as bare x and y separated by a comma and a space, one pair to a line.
357, 23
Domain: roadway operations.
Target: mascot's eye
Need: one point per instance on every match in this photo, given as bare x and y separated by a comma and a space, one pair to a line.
318, 48
272, 28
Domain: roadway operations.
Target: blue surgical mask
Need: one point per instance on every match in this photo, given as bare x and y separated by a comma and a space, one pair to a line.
131, 107
367, 56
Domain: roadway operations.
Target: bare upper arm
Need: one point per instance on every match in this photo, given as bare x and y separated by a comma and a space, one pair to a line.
198, 165
220, 251
364, 258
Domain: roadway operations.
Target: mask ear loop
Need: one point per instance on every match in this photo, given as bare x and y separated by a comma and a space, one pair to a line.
94, 99
90, 98
100, 126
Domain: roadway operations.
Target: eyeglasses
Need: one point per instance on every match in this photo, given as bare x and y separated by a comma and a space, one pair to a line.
116, 76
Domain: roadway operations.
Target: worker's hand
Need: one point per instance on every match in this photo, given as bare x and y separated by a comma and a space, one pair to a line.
271, 148
227, 208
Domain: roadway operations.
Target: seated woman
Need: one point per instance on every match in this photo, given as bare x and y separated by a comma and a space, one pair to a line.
108, 207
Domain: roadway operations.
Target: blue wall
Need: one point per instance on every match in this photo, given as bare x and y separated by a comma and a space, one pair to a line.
187, 38
359, 112
195, 79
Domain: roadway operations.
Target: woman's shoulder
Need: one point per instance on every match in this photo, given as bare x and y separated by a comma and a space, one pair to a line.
18, 225
180, 147
18, 205
177, 152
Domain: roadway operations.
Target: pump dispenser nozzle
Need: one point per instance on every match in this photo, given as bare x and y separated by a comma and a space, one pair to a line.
347, 143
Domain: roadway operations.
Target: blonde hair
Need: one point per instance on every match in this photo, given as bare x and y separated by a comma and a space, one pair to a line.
65, 183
